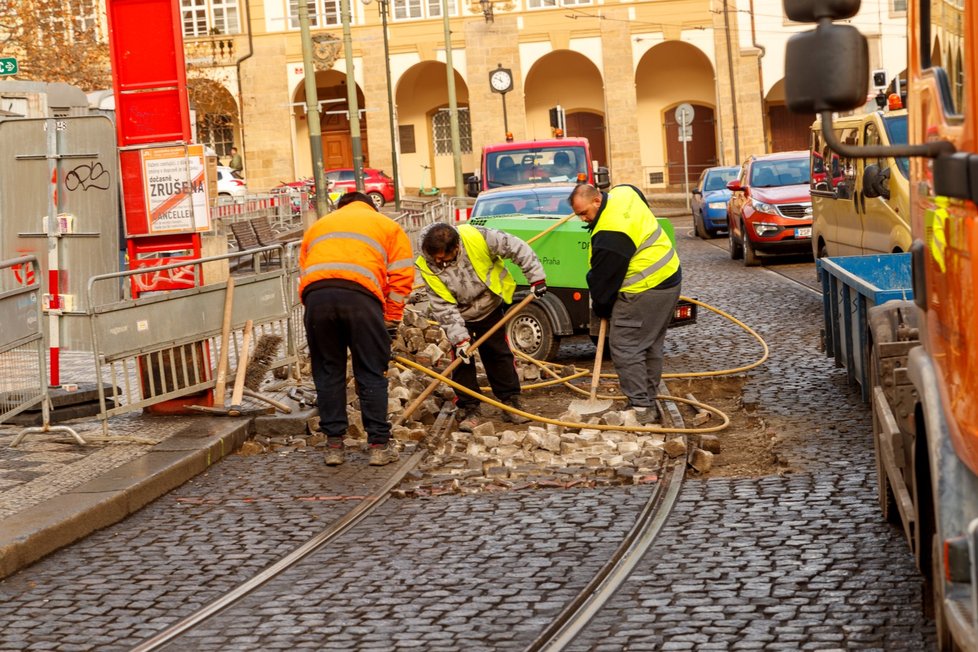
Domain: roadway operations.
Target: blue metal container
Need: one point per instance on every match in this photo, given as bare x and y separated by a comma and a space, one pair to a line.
851, 285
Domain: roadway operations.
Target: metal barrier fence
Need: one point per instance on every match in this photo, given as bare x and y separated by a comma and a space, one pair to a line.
159, 348
23, 377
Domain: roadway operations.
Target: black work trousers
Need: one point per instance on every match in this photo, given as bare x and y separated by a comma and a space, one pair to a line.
497, 358
337, 320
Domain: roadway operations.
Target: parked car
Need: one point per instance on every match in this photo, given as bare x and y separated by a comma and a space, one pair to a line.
230, 183
376, 183
770, 211
709, 200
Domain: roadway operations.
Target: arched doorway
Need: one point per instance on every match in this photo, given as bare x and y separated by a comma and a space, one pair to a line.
216, 115
700, 145
571, 80
787, 131
424, 126
667, 75
334, 120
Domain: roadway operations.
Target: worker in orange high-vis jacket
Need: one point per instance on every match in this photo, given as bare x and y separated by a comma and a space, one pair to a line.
357, 272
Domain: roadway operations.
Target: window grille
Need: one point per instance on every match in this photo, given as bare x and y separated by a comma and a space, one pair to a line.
442, 127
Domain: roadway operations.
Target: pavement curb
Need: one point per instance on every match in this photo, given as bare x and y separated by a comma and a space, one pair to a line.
37, 531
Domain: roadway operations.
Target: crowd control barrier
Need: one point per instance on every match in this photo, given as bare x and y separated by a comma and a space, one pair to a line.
23, 381
163, 347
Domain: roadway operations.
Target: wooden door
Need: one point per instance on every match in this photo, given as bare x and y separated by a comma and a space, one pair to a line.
337, 151
591, 126
789, 131
701, 150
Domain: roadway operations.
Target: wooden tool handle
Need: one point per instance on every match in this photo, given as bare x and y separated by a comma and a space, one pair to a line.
220, 386
409, 410
596, 374
239, 377
281, 407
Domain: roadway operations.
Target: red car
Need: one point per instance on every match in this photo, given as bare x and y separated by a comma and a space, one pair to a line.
376, 183
770, 211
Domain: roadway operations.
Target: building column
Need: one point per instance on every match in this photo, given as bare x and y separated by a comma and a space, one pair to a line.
486, 46
621, 105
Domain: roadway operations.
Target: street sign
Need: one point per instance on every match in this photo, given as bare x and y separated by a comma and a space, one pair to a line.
8, 66
685, 133
684, 113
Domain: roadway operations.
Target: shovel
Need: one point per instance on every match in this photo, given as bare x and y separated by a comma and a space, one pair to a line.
593, 405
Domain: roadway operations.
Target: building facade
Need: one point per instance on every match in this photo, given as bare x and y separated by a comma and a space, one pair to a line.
618, 68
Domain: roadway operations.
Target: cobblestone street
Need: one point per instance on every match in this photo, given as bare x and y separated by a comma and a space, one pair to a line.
794, 557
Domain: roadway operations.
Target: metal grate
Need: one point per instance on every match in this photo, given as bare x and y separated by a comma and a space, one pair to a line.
656, 177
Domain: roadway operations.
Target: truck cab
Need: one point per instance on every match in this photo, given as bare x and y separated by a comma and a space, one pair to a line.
554, 160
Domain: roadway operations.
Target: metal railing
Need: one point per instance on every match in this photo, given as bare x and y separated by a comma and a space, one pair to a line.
160, 347
23, 377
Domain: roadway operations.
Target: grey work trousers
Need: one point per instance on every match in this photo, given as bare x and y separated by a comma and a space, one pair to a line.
636, 336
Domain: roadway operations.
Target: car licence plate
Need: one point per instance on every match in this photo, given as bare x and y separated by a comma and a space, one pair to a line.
803, 232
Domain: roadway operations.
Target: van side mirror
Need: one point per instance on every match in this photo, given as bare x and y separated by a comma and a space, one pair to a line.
876, 182
826, 69
809, 11
602, 178
472, 185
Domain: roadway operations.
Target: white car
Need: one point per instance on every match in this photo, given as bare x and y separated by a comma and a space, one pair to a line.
230, 183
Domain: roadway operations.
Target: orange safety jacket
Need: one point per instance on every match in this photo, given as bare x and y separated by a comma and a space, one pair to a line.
356, 243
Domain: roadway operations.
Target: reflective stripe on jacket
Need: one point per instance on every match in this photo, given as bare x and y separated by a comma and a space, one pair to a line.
356, 243
655, 259
491, 271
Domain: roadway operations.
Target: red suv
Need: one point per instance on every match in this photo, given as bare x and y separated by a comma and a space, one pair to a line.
771, 208
377, 184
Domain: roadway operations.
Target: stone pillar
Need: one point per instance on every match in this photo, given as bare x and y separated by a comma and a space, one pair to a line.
621, 106
267, 115
746, 86
486, 46
375, 99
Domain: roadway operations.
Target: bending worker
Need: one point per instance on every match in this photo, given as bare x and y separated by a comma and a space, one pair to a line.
469, 290
634, 280
356, 275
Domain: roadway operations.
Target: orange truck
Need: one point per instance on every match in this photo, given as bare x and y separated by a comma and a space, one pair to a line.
922, 364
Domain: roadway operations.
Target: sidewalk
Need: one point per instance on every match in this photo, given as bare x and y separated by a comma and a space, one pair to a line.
54, 491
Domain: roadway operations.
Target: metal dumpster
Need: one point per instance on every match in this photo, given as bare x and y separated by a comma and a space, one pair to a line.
851, 285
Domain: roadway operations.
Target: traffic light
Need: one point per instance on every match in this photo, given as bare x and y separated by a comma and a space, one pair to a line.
879, 79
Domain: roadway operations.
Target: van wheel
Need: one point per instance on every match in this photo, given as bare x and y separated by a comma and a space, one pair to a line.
751, 258
531, 333
736, 251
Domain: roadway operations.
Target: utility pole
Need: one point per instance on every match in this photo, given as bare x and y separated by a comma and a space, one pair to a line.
452, 104
312, 111
351, 94
384, 6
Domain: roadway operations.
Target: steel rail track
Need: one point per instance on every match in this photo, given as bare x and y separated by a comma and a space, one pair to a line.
579, 611
334, 531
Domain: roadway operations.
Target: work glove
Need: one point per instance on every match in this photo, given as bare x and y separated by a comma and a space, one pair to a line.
539, 288
391, 327
462, 353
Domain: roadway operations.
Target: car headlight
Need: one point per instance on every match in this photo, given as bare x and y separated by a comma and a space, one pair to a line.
763, 228
763, 207
717, 205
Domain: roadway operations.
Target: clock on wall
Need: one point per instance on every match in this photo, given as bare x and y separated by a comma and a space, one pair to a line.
501, 80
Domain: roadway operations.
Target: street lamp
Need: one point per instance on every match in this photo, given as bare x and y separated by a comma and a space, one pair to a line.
383, 7
487, 10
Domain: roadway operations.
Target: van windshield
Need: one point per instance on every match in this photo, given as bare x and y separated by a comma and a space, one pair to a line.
535, 165
896, 129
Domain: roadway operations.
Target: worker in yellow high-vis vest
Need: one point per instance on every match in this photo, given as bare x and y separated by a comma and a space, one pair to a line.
635, 280
469, 290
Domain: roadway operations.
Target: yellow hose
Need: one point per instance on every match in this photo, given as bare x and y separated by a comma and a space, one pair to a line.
572, 424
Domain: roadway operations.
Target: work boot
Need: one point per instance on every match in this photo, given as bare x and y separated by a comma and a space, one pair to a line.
335, 455
647, 416
468, 418
381, 454
511, 417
